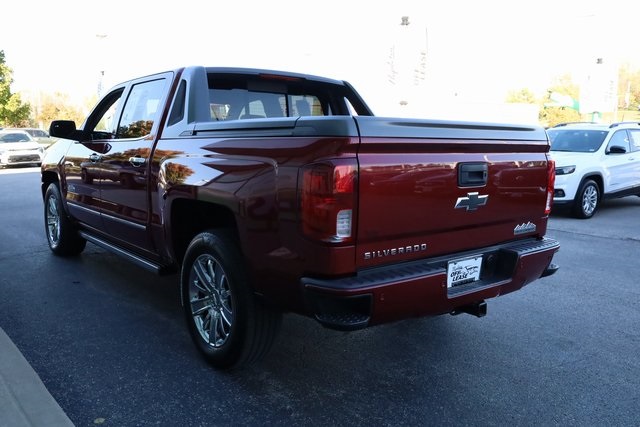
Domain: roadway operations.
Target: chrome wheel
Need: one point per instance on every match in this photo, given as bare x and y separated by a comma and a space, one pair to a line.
53, 221
589, 200
62, 234
228, 324
210, 300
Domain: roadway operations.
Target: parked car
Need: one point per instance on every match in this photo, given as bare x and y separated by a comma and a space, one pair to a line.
41, 136
594, 162
17, 147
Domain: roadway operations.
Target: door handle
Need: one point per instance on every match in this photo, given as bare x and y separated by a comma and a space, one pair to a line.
137, 161
473, 174
95, 157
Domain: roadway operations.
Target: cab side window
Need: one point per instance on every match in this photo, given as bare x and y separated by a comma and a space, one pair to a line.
106, 124
635, 139
102, 122
141, 109
619, 139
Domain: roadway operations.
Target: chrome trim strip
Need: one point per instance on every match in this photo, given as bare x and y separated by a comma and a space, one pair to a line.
82, 208
125, 222
111, 217
128, 255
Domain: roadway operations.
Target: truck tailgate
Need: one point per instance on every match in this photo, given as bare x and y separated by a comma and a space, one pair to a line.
430, 188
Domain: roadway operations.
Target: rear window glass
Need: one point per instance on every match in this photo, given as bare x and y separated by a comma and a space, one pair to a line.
241, 99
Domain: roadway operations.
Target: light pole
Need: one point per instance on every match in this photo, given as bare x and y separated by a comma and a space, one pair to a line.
408, 60
100, 37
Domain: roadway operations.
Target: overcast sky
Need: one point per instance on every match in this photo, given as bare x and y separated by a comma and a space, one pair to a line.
476, 50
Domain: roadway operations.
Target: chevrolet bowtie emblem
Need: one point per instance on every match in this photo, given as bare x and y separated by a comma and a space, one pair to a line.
471, 202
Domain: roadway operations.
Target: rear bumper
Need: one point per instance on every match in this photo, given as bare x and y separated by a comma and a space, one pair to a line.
419, 288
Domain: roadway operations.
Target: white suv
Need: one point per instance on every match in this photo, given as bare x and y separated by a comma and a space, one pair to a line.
594, 161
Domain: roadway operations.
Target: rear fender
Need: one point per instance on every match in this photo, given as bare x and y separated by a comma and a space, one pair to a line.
232, 192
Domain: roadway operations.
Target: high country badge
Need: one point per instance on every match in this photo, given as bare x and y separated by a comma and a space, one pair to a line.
524, 228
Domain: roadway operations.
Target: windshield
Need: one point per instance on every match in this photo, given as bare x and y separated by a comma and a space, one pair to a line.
14, 137
576, 140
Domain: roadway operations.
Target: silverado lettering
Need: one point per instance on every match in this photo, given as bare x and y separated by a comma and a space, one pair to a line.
271, 192
395, 251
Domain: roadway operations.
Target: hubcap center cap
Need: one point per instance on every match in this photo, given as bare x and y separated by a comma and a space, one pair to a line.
215, 300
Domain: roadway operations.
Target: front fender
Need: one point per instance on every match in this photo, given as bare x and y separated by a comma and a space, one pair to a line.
52, 168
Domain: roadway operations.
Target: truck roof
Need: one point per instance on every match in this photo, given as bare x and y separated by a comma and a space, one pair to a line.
285, 75
268, 72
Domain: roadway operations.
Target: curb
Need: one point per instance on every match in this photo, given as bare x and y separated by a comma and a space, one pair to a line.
24, 399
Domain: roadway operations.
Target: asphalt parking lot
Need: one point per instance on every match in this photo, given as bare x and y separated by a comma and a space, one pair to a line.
108, 341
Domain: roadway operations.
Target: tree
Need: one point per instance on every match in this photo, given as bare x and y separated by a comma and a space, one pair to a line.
565, 85
13, 112
522, 96
58, 107
628, 88
551, 115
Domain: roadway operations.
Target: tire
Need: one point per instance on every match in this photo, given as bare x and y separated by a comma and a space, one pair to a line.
587, 200
228, 324
62, 235
85, 177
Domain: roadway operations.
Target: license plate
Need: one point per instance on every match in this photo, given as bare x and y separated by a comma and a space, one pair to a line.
462, 271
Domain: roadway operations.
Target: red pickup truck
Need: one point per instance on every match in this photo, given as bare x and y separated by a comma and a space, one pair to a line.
275, 192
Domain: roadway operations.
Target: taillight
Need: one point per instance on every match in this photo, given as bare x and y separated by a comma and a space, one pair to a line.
551, 182
327, 200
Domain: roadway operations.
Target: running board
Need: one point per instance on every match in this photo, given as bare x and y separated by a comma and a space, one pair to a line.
138, 260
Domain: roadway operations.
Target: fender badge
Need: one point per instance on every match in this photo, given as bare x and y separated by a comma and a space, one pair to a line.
471, 202
524, 228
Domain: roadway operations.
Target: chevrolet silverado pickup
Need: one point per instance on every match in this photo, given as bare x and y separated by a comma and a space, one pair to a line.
269, 192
